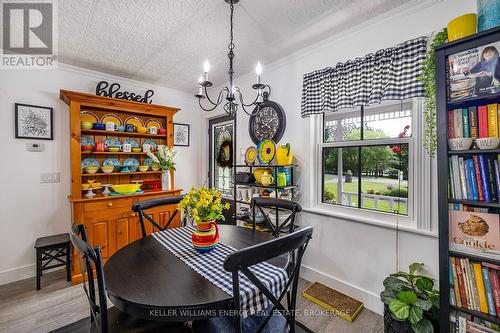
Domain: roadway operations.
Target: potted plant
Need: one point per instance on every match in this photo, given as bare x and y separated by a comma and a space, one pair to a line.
204, 206
164, 157
411, 302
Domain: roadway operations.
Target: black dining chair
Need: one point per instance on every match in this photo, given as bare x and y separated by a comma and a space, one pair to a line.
241, 261
288, 225
141, 206
101, 318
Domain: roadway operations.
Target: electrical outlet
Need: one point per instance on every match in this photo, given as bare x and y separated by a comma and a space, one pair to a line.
54, 177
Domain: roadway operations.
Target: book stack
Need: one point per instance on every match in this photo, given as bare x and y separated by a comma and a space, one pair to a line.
476, 177
474, 122
463, 323
475, 285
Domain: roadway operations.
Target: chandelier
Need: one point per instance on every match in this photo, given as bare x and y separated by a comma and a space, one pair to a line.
232, 95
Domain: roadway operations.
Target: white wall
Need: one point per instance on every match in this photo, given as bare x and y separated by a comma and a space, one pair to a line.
354, 257
30, 209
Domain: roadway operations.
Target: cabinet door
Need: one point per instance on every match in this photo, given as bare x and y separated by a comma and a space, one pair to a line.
122, 232
97, 233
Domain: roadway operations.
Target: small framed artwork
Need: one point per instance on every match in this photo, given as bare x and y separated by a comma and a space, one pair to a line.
34, 122
181, 135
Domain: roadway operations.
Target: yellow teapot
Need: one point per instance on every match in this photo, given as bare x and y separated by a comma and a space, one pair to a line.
266, 179
284, 155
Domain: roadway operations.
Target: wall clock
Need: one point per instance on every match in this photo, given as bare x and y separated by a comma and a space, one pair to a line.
267, 122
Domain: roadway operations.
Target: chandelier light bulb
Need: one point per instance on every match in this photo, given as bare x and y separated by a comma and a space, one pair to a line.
258, 68
200, 79
206, 66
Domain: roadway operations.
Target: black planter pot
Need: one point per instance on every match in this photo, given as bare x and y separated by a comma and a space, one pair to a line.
392, 325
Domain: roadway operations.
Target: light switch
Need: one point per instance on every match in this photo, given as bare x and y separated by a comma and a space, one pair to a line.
36, 147
54, 177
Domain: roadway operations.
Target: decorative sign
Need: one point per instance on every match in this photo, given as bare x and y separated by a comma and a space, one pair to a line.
103, 88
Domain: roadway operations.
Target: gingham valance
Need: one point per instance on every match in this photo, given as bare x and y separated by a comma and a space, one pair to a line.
389, 74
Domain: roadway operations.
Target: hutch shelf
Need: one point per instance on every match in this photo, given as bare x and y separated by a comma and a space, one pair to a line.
445, 108
109, 220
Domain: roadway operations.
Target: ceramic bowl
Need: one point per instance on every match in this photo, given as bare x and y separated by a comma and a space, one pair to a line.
85, 186
121, 128
114, 149
99, 126
142, 130
95, 185
107, 168
460, 143
126, 188
91, 169
143, 168
136, 149
162, 131
86, 148
86, 125
487, 143
155, 167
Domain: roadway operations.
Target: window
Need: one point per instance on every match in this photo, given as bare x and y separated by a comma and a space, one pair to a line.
366, 157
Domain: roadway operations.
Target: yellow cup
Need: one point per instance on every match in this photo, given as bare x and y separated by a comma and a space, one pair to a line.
462, 26
142, 130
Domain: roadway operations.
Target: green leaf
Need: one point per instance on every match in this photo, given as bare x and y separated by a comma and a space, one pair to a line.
394, 284
415, 267
416, 314
424, 304
387, 296
425, 284
399, 309
423, 326
407, 297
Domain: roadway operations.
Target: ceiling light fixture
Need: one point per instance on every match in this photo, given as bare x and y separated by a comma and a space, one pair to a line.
231, 93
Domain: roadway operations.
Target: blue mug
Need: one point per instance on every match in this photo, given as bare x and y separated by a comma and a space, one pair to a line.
130, 128
99, 126
121, 128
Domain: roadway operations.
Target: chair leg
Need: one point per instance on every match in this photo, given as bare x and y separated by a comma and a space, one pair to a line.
68, 262
38, 268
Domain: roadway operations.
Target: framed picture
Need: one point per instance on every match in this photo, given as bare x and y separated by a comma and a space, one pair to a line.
34, 122
181, 135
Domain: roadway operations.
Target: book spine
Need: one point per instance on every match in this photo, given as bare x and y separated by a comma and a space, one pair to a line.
459, 123
472, 176
484, 178
468, 186
492, 179
461, 283
495, 286
475, 299
451, 124
483, 305
497, 177
489, 292
453, 301
492, 121
465, 119
456, 178
455, 282
451, 184
472, 121
479, 184
482, 115
490, 265
465, 274
462, 180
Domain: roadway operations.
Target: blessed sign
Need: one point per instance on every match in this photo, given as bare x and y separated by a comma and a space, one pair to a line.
103, 88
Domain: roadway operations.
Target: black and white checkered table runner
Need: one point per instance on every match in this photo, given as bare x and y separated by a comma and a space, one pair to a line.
209, 265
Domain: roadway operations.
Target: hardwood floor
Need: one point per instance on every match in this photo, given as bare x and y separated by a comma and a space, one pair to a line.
23, 309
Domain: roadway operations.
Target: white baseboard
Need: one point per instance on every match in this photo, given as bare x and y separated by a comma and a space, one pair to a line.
370, 300
17, 273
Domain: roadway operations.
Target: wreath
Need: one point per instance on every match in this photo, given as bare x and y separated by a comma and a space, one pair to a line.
225, 155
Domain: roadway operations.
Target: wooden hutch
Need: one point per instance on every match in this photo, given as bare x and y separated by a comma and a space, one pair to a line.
109, 220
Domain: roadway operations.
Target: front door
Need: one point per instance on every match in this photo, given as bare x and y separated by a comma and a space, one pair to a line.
221, 159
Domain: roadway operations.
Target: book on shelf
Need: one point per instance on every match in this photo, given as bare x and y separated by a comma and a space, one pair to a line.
475, 286
475, 177
474, 122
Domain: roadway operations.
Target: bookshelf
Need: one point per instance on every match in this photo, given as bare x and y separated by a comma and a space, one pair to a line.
444, 189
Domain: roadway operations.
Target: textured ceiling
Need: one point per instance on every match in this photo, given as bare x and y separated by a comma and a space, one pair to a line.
164, 42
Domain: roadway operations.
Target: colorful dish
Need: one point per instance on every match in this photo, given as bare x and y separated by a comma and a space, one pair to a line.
88, 117
148, 161
151, 143
113, 161
153, 122
132, 143
126, 188
266, 151
131, 163
112, 142
87, 141
90, 161
112, 117
132, 120
250, 155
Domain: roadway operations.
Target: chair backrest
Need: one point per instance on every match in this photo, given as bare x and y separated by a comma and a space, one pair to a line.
288, 225
141, 206
241, 260
91, 268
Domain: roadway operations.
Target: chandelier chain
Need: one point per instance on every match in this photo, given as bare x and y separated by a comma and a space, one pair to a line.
231, 44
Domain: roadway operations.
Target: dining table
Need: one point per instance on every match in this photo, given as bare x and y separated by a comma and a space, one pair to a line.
144, 279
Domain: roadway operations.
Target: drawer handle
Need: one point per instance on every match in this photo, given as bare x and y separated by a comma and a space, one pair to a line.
133, 214
110, 204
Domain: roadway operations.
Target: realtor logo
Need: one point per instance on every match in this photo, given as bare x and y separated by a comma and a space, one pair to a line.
29, 38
